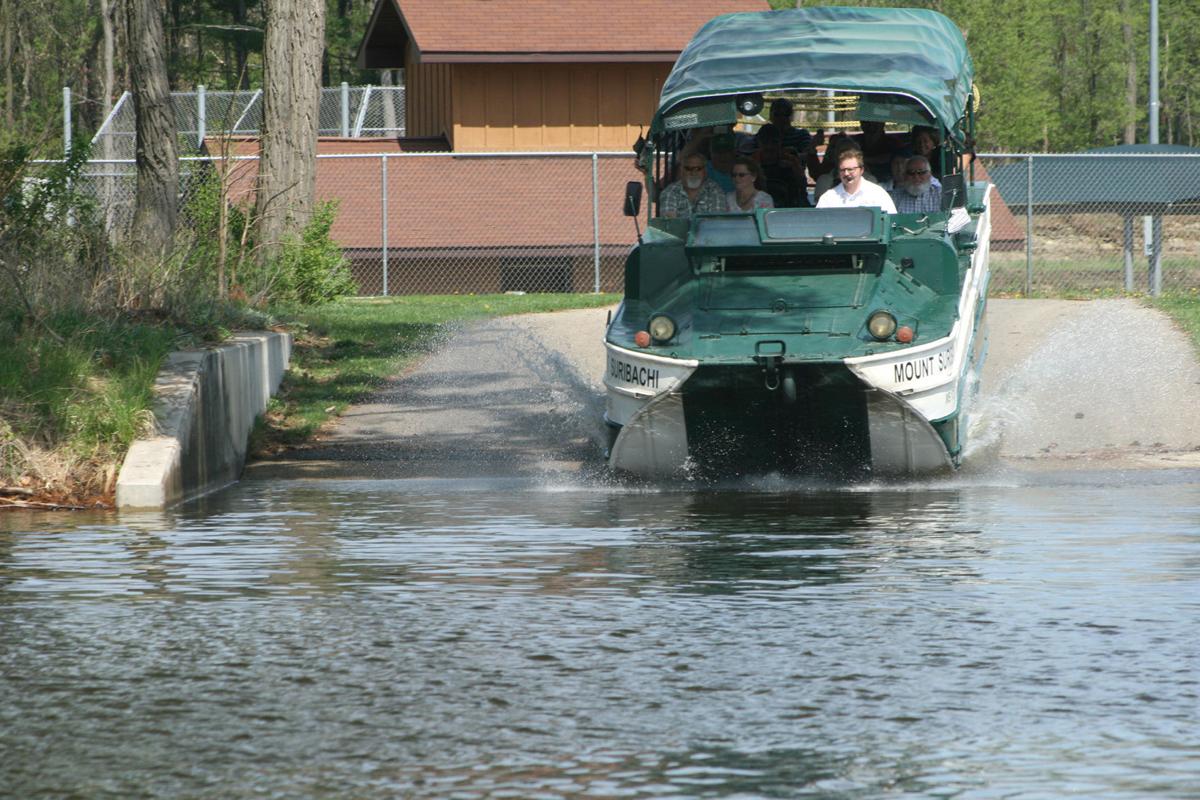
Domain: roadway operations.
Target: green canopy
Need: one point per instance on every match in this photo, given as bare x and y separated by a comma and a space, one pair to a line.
918, 55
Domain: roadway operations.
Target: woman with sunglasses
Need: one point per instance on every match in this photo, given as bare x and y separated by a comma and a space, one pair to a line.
747, 174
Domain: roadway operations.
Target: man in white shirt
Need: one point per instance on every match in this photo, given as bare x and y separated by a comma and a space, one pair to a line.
855, 190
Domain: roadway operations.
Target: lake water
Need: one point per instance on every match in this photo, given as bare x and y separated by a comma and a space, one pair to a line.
1012, 635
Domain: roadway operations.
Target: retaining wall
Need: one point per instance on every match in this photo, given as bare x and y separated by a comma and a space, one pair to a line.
206, 403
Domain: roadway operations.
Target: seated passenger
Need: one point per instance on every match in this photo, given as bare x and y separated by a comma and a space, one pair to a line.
747, 197
782, 170
855, 190
721, 153
925, 143
876, 146
838, 144
693, 193
896, 179
918, 195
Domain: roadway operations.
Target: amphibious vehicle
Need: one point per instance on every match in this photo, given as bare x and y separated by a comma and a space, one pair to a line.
837, 342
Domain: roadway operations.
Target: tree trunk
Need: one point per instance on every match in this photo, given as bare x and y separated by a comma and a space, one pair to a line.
107, 88
157, 165
243, 79
1131, 76
8, 16
108, 75
23, 45
292, 48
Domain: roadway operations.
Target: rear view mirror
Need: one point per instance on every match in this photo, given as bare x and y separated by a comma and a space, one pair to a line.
633, 198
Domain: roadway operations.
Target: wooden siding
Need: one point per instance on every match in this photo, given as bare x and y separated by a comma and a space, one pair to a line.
428, 97
530, 107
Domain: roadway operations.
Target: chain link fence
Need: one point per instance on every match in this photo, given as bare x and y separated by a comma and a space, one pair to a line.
1081, 224
346, 111
417, 223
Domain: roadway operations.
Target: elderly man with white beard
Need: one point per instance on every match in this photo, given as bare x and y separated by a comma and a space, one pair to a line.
694, 192
919, 193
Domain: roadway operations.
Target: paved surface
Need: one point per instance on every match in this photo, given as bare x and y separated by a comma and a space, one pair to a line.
1075, 385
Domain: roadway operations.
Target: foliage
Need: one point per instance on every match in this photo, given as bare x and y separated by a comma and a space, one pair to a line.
82, 396
1052, 76
311, 270
52, 250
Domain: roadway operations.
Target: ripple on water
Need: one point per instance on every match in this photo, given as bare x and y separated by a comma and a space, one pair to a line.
480, 640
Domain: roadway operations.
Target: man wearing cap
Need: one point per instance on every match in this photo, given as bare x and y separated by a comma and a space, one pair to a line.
855, 190
694, 193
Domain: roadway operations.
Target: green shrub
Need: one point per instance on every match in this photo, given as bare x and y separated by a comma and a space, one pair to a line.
311, 270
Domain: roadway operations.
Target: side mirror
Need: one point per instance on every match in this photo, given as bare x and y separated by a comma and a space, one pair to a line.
633, 198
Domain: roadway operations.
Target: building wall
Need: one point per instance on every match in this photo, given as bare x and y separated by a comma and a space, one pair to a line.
531, 107
428, 98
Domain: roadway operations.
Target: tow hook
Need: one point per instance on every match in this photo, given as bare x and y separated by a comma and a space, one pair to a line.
769, 356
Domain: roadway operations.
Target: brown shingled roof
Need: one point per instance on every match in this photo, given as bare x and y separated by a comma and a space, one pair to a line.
553, 30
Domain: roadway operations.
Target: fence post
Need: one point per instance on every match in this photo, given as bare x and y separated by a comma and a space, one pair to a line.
596, 218
66, 121
1156, 258
345, 110
1128, 253
1028, 225
384, 214
201, 115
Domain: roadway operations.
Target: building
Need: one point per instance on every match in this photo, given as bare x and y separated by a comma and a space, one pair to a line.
534, 75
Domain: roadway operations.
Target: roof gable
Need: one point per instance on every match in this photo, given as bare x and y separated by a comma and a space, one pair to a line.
536, 30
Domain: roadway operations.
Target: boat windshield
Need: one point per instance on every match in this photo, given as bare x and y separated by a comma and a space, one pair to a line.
787, 225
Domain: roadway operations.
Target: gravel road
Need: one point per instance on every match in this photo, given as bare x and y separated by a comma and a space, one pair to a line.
1066, 385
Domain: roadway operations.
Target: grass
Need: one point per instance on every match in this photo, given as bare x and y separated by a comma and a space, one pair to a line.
347, 349
1184, 308
70, 406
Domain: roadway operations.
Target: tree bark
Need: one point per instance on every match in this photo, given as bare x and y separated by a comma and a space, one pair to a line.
157, 164
1131, 76
8, 16
292, 49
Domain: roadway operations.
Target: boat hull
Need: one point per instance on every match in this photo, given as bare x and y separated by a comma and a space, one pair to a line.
727, 422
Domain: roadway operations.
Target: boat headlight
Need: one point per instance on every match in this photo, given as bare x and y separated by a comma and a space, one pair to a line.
881, 325
662, 328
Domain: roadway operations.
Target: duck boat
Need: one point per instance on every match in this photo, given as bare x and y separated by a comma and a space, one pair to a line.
834, 342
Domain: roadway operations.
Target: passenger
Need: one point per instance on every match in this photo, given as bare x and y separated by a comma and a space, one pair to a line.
817, 167
877, 147
839, 143
693, 193
782, 170
855, 190
798, 139
722, 154
896, 179
925, 143
918, 195
747, 197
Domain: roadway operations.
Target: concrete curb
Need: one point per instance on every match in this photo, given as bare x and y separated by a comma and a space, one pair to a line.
206, 403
